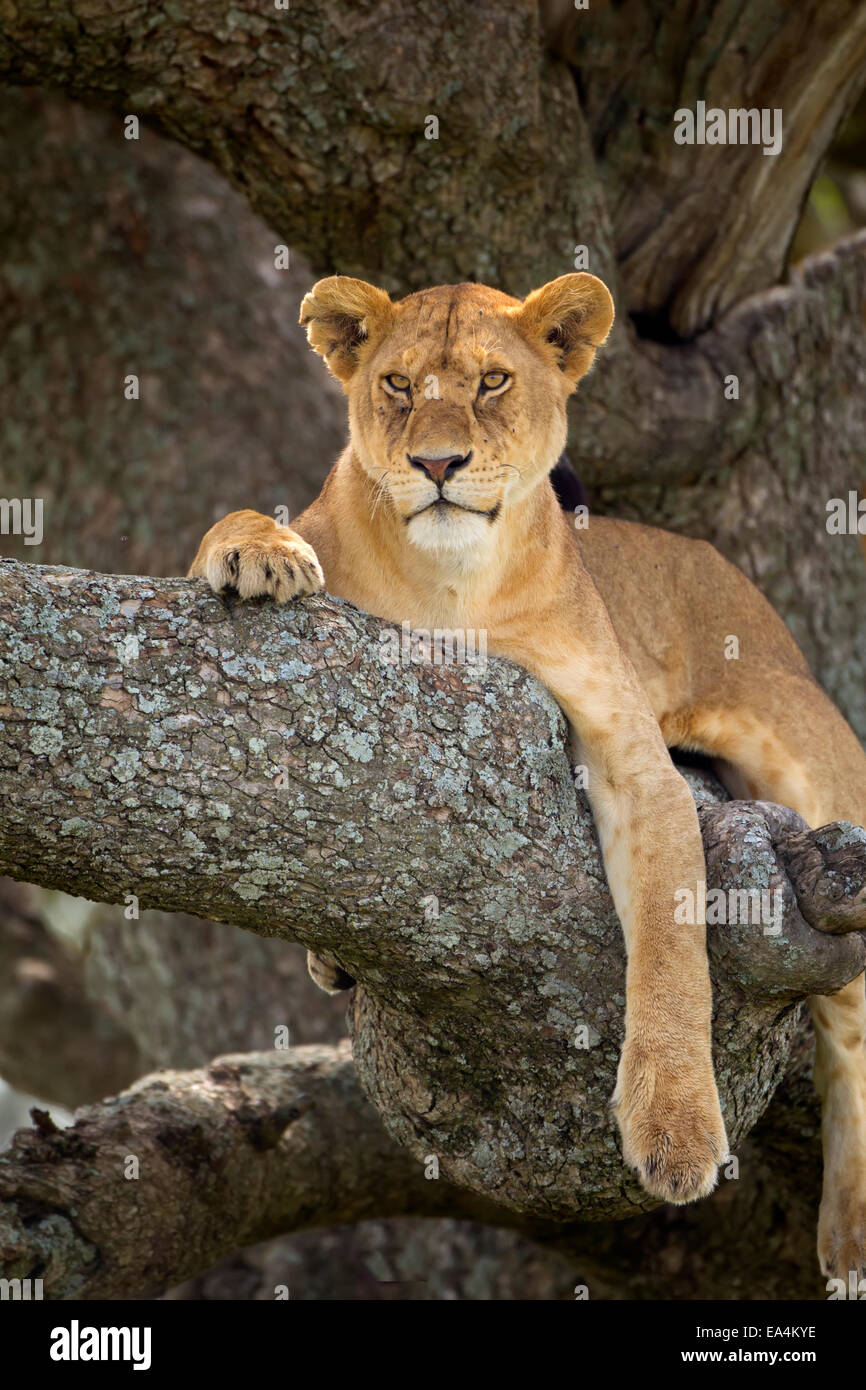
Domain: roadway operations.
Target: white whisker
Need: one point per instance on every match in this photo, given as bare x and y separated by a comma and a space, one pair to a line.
379, 490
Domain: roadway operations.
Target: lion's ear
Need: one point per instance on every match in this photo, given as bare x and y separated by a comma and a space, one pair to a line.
340, 314
574, 314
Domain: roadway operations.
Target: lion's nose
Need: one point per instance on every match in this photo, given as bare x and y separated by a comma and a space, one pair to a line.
440, 469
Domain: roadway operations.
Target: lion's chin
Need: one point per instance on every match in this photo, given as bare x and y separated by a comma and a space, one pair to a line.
449, 531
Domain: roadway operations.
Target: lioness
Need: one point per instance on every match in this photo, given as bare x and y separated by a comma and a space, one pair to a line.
440, 512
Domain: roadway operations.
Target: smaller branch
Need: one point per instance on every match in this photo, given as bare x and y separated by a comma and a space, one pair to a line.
828, 867
250, 1147
813, 880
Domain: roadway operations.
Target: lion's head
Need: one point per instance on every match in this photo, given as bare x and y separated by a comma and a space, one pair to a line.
457, 395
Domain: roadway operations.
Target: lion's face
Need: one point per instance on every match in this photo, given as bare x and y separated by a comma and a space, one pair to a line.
457, 395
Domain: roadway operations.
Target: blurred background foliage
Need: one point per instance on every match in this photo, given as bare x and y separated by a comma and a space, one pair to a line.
836, 205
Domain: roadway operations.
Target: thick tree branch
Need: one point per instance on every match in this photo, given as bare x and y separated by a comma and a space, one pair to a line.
320, 113
291, 104
667, 412
267, 767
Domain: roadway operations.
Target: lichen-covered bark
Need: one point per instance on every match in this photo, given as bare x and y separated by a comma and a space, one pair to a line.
753, 1239
266, 767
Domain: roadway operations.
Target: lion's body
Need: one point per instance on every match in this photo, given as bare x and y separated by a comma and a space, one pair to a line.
439, 514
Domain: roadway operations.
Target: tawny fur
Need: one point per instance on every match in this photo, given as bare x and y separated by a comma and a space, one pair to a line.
627, 626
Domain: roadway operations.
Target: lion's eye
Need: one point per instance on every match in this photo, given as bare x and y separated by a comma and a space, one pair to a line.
491, 381
398, 383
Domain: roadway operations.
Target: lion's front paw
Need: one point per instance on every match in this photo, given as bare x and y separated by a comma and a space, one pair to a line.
842, 1232
282, 566
671, 1124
